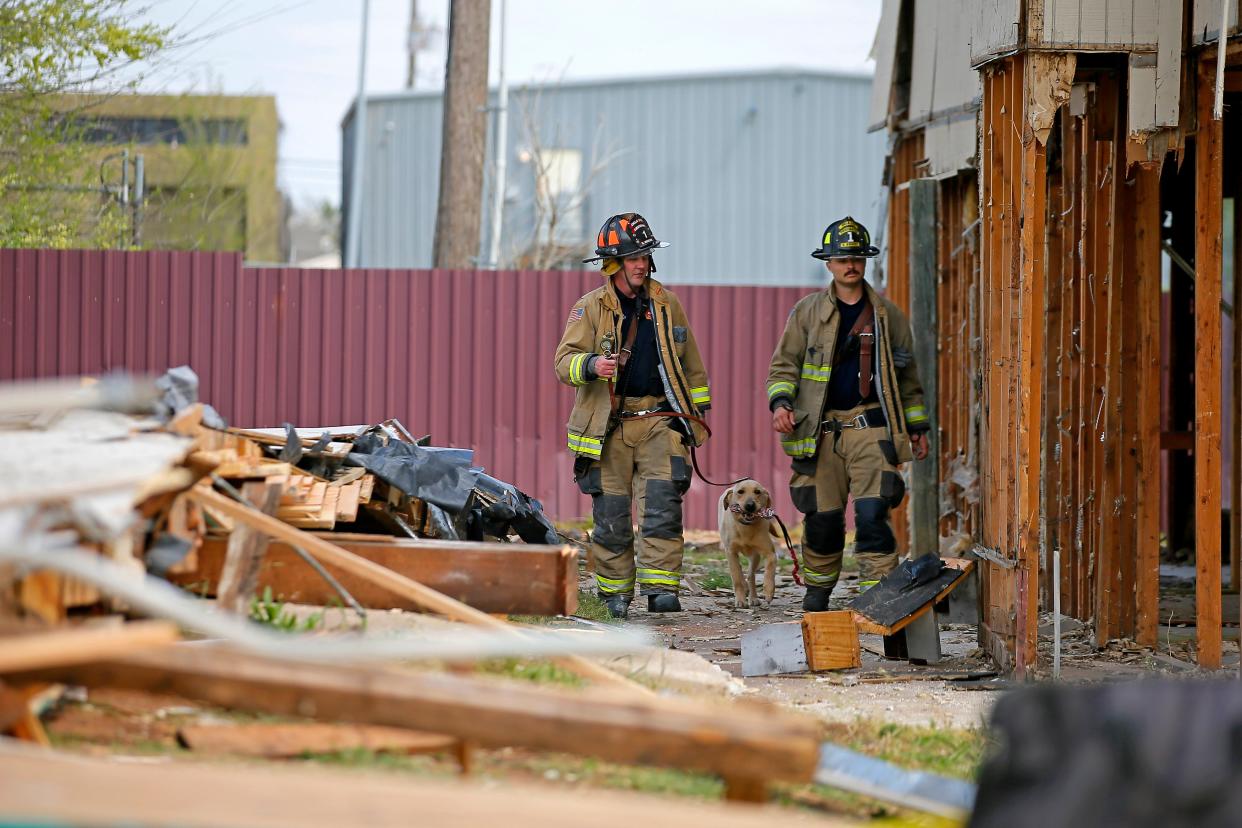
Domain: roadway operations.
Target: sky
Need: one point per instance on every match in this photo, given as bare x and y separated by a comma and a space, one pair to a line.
305, 52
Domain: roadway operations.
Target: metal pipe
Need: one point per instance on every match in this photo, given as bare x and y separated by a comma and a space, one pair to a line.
354, 231
501, 148
139, 194
1056, 611
1218, 105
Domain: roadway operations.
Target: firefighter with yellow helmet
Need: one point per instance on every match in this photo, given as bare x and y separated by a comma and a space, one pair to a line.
848, 405
641, 393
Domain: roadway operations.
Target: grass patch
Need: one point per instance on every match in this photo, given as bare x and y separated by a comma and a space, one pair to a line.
539, 672
946, 751
266, 610
702, 555
716, 579
592, 608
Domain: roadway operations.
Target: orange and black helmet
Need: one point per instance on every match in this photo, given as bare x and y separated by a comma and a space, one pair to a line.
846, 239
625, 234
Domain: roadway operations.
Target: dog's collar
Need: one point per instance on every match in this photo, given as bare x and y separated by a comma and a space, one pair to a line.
747, 519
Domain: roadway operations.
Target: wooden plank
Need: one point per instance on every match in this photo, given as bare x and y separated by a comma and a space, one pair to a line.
1208, 265
691, 734
296, 739
1108, 275
52, 788
503, 578
1128, 445
924, 501
59, 647
1031, 355
427, 598
245, 549
347, 505
831, 640
1235, 487
1146, 373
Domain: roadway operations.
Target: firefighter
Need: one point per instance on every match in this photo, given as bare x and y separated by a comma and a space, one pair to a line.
629, 352
847, 403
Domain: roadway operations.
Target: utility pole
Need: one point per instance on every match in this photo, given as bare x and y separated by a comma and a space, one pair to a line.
460, 209
353, 236
411, 46
501, 148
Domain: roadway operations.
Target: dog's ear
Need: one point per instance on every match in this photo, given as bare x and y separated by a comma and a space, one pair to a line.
765, 497
728, 501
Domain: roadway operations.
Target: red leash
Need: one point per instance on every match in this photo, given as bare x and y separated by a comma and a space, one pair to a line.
694, 461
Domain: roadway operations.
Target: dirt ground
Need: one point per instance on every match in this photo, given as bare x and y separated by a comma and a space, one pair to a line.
956, 693
882, 689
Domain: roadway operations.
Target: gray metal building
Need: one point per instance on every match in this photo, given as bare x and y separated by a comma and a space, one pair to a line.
739, 172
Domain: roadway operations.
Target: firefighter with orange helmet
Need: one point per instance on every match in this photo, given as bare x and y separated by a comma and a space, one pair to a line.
629, 352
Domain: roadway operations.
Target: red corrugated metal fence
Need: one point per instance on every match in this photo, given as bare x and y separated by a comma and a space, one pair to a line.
465, 356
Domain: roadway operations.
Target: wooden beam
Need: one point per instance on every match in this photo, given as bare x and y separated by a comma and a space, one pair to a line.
1032, 355
1208, 264
425, 597
1146, 373
1235, 466
60, 789
501, 578
55, 647
714, 737
924, 276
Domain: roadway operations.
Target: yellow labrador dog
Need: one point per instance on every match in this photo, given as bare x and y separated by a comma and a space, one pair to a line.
745, 517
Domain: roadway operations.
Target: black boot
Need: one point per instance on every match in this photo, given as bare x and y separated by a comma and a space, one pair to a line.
618, 604
816, 599
663, 602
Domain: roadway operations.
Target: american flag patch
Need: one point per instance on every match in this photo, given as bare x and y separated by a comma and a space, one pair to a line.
576, 314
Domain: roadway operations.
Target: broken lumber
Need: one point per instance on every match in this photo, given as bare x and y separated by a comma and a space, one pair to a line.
425, 597
885, 614
243, 557
287, 741
821, 641
831, 640
47, 787
34, 649
728, 740
503, 578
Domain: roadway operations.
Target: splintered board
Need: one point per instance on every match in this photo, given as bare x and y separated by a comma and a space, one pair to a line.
886, 607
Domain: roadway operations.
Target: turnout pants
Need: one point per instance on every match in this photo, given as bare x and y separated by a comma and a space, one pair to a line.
861, 462
643, 461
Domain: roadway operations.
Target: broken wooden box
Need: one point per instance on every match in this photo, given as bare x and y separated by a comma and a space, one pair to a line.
820, 641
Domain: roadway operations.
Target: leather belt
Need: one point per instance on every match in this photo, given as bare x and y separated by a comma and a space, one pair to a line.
859, 421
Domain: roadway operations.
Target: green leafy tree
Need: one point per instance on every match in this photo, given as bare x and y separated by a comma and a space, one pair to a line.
56, 58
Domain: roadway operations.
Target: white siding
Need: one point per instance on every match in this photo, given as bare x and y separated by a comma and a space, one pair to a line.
884, 53
1206, 28
942, 81
994, 27
1101, 24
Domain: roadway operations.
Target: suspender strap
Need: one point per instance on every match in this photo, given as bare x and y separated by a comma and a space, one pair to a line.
864, 329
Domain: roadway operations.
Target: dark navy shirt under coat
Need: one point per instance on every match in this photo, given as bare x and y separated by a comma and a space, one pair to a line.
843, 381
642, 369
